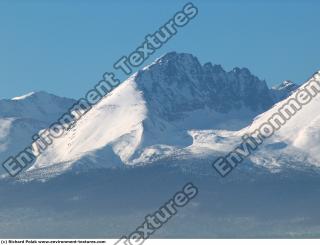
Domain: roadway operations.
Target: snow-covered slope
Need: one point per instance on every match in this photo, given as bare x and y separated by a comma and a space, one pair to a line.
173, 108
296, 143
24, 116
108, 134
39, 106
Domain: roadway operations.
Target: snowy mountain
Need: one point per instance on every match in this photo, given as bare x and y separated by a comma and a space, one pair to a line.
174, 117
174, 108
281, 91
40, 106
22, 117
297, 142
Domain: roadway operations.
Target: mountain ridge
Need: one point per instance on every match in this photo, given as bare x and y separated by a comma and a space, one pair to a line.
174, 108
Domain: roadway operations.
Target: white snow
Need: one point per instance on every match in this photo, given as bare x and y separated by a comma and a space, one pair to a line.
21, 118
124, 129
298, 139
23, 96
133, 126
115, 122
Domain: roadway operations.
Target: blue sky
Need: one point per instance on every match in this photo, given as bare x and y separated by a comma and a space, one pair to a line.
64, 47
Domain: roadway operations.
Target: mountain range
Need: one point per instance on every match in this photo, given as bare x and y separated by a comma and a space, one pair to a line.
175, 109
158, 130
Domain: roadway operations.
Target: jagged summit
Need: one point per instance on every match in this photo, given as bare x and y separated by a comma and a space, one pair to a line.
213, 68
181, 80
186, 60
177, 58
282, 90
244, 71
287, 85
